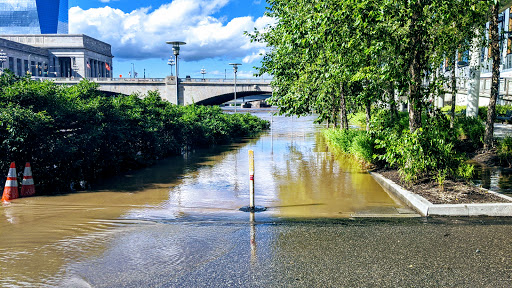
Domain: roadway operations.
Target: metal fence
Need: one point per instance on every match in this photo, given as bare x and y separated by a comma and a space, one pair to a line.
151, 80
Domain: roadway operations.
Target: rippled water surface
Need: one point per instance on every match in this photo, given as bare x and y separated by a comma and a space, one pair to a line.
163, 215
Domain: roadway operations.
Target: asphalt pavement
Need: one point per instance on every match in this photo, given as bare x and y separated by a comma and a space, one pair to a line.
416, 252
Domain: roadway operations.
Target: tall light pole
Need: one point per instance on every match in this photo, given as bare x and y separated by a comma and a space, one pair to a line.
235, 69
171, 63
203, 71
176, 52
133, 70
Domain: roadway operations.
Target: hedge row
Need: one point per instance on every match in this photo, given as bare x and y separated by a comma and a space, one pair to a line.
75, 134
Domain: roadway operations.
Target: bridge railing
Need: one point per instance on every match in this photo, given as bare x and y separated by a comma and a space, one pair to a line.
149, 80
103, 79
222, 80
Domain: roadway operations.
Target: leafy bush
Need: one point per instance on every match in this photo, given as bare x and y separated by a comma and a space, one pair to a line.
355, 142
470, 131
422, 154
358, 119
74, 134
427, 153
505, 150
458, 109
384, 120
362, 147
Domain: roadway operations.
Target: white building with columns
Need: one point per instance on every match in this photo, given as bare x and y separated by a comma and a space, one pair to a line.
57, 55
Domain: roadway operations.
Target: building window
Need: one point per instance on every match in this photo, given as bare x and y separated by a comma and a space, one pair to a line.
11, 64
33, 68
463, 58
19, 71
25, 65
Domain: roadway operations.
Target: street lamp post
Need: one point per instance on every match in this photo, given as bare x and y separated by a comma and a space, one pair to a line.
171, 63
133, 70
203, 71
176, 52
235, 69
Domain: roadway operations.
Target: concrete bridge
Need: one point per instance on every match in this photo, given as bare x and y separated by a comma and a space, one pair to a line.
191, 90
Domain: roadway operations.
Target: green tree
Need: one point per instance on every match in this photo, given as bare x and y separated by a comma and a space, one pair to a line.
495, 82
385, 45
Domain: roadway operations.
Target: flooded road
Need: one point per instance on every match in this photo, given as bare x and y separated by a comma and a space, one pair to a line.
177, 224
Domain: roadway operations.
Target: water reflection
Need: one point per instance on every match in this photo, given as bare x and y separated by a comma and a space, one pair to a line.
253, 237
496, 179
297, 177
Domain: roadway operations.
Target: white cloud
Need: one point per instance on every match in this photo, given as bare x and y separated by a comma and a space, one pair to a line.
142, 33
254, 56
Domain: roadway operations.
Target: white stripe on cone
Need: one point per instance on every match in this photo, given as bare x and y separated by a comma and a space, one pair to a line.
28, 181
27, 188
11, 183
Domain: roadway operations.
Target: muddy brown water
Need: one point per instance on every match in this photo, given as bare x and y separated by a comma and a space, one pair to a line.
44, 239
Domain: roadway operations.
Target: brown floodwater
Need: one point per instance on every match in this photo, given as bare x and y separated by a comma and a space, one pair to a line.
296, 177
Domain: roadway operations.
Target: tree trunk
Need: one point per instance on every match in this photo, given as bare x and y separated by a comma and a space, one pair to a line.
392, 102
334, 118
416, 67
368, 114
495, 85
454, 93
343, 108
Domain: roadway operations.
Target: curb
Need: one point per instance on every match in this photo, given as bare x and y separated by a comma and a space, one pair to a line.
426, 208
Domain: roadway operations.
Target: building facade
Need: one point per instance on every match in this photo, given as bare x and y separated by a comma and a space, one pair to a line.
33, 16
57, 55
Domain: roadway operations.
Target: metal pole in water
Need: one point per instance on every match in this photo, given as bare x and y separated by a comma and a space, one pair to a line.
251, 180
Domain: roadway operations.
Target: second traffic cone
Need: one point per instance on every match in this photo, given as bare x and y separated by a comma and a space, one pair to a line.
27, 186
11, 185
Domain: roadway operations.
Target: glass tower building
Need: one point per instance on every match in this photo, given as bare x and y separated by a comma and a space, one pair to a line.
33, 16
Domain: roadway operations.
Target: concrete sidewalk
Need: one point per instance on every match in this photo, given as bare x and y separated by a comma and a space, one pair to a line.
426, 208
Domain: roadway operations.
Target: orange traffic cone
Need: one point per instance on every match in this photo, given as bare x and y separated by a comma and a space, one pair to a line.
27, 186
11, 185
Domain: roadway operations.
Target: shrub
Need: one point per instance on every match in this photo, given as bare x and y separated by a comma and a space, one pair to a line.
78, 130
362, 147
422, 154
470, 132
355, 142
358, 119
458, 109
505, 150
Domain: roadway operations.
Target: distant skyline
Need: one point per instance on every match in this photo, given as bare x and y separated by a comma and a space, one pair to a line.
138, 30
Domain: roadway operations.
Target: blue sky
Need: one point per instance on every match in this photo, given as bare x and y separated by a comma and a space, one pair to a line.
137, 31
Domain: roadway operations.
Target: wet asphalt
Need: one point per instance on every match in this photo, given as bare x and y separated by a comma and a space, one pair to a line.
437, 252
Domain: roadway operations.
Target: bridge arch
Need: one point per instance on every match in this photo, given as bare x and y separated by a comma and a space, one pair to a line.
223, 98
